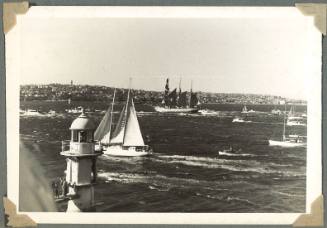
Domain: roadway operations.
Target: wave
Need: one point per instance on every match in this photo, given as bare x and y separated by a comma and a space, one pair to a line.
231, 198
226, 198
128, 160
227, 164
158, 188
142, 113
287, 194
209, 196
154, 181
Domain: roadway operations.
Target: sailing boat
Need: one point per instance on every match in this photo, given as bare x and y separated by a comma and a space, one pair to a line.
244, 109
290, 140
293, 120
126, 139
276, 111
178, 103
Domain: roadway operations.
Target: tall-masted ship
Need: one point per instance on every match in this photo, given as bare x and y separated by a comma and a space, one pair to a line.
178, 102
126, 139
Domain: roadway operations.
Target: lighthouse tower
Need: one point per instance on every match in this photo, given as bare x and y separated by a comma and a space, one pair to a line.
81, 170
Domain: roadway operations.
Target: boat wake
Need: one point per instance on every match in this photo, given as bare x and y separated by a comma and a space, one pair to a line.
154, 181
225, 164
237, 154
141, 113
240, 120
208, 112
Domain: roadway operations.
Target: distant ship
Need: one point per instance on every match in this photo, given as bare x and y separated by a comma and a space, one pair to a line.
178, 103
290, 140
126, 140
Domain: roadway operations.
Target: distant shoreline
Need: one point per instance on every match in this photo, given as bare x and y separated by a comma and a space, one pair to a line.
65, 92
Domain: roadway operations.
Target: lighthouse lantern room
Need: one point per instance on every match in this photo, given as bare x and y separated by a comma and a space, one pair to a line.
81, 164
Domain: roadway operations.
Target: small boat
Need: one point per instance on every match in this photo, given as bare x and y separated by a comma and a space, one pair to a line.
51, 113
75, 110
276, 111
126, 140
295, 123
31, 112
178, 103
231, 152
290, 140
240, 120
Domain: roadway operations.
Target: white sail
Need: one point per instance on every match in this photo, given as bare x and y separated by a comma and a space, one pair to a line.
133, 135
103, 132
106, 139
118, 139
118, 135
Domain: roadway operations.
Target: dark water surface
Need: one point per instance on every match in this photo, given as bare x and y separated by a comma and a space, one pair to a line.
185, 174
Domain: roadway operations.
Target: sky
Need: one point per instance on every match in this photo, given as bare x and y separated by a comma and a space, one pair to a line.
223, 55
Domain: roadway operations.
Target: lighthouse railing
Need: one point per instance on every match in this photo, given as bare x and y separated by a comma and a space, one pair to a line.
65, 145
77, 147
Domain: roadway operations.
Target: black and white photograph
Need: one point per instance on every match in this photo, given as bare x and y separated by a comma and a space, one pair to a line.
164, 110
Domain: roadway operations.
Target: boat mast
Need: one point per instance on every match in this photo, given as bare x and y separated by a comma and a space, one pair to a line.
166, 99
111, 113
179, 92
284, 128
190, 93
180, 83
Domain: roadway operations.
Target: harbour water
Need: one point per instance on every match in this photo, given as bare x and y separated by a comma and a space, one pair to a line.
185, 173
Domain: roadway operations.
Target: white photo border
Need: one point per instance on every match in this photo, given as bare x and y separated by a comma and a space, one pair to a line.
314, 149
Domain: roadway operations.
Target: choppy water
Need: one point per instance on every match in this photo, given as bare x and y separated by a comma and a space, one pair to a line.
185, 174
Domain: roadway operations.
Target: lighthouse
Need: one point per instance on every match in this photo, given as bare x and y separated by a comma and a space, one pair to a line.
81, 170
